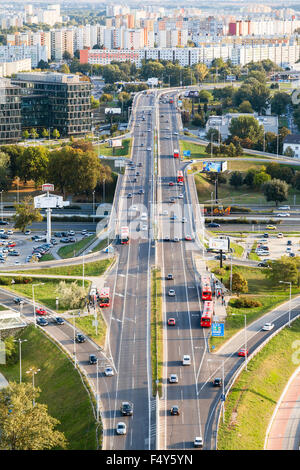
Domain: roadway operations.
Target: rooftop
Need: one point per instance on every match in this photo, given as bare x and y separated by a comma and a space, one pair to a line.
292, 139
49, 77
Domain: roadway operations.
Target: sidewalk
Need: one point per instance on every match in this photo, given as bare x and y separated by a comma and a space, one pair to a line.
284, 433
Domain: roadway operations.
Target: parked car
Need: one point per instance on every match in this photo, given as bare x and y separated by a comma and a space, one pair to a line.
213, 225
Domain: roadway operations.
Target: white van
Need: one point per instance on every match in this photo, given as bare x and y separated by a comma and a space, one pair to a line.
144, 216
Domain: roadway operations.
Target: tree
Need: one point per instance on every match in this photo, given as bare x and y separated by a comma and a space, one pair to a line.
205, 96
245, 107
201, 71
236, 179
284, 269
45, 133
279, 102
260, 178
106, 97
239, 283
246, 127
67, 55
94, 103
55, 134
276, 190
71, 295
296, 180
33, 164
249, 178
43, 65
5, 173
213, 135
25, 423
34, 133
289, 152
26, 214
25, 134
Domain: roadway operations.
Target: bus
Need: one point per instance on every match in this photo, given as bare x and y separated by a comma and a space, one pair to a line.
207, 314
103, 298
124, 235
179, 176
206, 292
176, 153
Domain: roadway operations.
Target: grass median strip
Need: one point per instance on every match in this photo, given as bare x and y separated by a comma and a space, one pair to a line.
73, 249
86, 324
156, 331
95, 268
61, 387
252, 399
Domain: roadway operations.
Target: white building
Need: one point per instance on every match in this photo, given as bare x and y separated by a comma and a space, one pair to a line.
222, 123
35, 53
292, 141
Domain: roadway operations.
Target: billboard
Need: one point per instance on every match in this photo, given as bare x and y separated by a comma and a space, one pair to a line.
186, 153
115, 143
219, 244
214, 167
112, 110
217, 329
47, 187
153, 81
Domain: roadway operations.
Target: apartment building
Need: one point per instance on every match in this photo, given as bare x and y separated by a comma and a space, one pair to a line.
9, 68
35, 53
10, 112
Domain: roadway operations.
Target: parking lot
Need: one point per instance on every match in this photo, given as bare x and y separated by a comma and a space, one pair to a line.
20, 248
278, 247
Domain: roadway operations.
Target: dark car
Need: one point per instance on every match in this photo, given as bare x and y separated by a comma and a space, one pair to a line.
126, 408
141, 191
175, 411
59, 321
18, 300
218, 257
265, 235
170, 277
213, 225
3, 222
4, 236
58, 234
93, 359
217, 382
289, 242
42, 321
80, 338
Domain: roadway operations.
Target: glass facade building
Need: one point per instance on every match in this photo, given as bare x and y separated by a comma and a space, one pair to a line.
10, 112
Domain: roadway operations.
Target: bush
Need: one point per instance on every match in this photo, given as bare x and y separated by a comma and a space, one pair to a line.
4, 281
219, 272
244, 302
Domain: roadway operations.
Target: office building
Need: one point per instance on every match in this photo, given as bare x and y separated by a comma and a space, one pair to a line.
10, 112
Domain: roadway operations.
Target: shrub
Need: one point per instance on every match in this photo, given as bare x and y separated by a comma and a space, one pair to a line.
4, 281
245, 302
219, 272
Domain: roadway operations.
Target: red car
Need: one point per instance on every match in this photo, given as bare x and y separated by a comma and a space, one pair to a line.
171, 322
188, 238
40, 311
243, 352
10, 245
171, 183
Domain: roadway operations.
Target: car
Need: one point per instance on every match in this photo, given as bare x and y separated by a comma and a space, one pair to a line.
2, 260
129, 195
165, 213
198, 442
140, 164
121, 428
180, 196
171, 200
176, 239
144, 227
42, 321
183, 220
126, 408
289, 242
141, 191
108, 371
71, 232
3, 222
271, 227
137, 173
265, 235
180, 183
80, 338
170, 277
59, 321
12, 244
18, 301
280, 235
219, 257
243, 352
14, 253
186, 360
173, 217
284, 208
166, 239
188, 238
27, 232
10, 232
173, 379
268, 327
292, 255
263, 264
171, 293
283, 214
40, 311
2, 230
93, 359
142, 145
213, 225
175, 410
171, 321
175, 133
288, 248
149, 149
170, 184
217, 382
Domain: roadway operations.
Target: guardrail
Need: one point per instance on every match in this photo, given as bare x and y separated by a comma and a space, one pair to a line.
241, 368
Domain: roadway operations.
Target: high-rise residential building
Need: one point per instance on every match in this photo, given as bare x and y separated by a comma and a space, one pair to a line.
55, 101
35, 53
10, 112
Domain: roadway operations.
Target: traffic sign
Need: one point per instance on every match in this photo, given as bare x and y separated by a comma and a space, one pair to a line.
186, 153
217, 329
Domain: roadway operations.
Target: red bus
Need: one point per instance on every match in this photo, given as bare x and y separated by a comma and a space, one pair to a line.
207, 314
206, 293
176, 153
104, 297
124, 235
179, 176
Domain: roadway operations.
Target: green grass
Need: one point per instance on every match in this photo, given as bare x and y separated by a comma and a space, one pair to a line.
105, 149
69, 251
253, 256
238, 250
96, 268
197, 150
47, 257
85, 323
101, 245
260, 288
44, 294
252, 399
156, 331
61, 388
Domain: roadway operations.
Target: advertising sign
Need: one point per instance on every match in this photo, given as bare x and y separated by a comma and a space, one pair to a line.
115, 143
214, 167
48, 187
217, 330
112, 110
219, 244
186, 153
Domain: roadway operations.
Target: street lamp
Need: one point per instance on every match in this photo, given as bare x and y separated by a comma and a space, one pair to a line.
287, 282
94, 206
33, 371
246, 354
1, 192
20, 341
33, 298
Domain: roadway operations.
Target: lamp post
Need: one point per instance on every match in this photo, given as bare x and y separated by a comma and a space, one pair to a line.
1, 192
20, 341
33, 371
245, 329
94, 206
33, 299
97, 393
287, 282
83, 269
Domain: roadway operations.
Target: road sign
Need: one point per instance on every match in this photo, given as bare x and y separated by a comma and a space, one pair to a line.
186, 153
217, 329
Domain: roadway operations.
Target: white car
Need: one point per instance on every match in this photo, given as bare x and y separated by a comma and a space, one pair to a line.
198, 442
165, 212
280, 235
268, 327
10, 232
144, 227
186, 360
149, 149
108, 371
173, 379
171, 293
180, 183
175, 133
144, 216
284, 208
121, 428
180, 196
2, 230
283, 214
